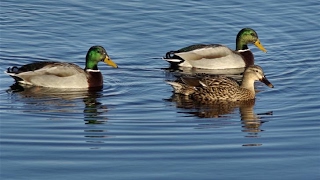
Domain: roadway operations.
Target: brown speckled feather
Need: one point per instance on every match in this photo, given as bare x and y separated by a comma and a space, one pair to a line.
221, 88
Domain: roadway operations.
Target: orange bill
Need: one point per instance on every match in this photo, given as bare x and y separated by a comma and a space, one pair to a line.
108, 61
259, 45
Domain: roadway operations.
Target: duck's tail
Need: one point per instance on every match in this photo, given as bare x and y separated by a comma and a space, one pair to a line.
12, 70
172, 58
180, 88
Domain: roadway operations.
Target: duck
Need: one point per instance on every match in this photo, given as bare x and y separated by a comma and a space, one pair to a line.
217, 56
215, 88
54, 74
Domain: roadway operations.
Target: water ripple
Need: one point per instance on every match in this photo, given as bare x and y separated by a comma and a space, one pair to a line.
135, 124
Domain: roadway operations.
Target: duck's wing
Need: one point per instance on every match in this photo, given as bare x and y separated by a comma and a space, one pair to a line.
42, 73
200, 52
212, 56
60, 69
181, 88
219, 81
195, 52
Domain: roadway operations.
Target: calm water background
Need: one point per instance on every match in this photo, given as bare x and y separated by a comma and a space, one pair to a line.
134, 128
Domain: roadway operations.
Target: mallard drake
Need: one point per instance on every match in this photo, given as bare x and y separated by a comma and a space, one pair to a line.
217, 56
221, 88
62, 74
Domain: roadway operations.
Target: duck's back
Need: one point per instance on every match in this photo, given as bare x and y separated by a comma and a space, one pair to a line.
50, 74
221, 88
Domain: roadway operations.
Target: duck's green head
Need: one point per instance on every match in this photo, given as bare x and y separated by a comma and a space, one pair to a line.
248, 36
96, 54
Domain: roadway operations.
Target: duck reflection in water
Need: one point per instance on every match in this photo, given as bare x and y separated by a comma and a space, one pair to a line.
250, 121
63, 100
216, 95
60, 104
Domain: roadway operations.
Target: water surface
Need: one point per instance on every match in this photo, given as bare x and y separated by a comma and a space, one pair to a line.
135, 128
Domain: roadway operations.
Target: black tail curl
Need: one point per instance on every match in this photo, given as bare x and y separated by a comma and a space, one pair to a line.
13, 69
169, 54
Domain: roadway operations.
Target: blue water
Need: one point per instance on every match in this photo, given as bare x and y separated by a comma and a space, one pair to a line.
135, 128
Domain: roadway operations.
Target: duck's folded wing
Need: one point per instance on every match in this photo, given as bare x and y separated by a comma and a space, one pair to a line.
45, 73
219, 81
206, 52
62, 69
46, 68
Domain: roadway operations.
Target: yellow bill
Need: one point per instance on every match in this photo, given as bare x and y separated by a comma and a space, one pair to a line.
259, 45
108, 61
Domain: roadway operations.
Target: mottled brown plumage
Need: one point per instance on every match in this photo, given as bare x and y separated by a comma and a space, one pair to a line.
221, 88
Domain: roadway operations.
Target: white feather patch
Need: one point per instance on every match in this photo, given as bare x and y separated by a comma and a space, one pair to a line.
244, 50
92, 70
204, 85
172, 60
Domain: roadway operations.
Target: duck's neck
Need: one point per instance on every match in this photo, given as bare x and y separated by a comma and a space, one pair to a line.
95, 79
248, 83
90, 66
240, 44
247, 56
